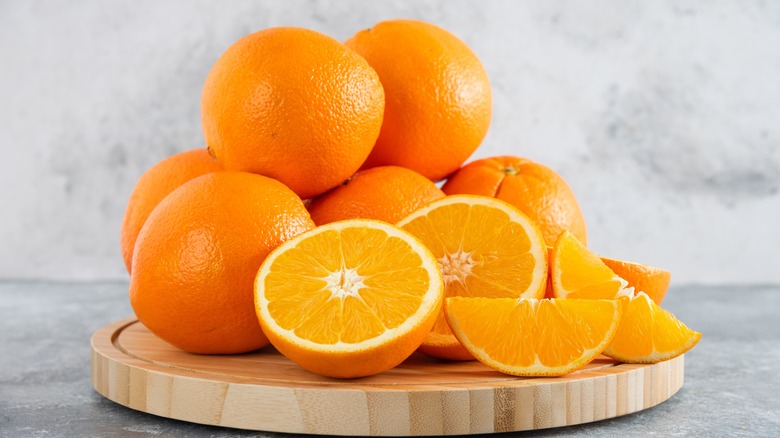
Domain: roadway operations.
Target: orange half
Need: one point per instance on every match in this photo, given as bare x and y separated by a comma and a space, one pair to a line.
350, 298
486, 248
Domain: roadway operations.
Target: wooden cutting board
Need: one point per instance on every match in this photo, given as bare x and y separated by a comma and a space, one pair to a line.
265, 391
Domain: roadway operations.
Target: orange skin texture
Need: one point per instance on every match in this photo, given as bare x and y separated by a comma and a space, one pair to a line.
196, 259
648, 279
154, 185
438, 101
294, 105
534, 189
386, 193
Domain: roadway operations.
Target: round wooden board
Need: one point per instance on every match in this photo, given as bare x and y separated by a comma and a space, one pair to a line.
265, 391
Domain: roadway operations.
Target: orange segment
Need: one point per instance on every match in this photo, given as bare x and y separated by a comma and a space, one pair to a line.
486, 248
648, 279
576, 272
650, 334
530, 337
349, 299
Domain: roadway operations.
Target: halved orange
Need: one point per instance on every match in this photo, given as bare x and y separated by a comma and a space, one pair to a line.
350, 298
650, 334
486, 248
530, 337
648, 279
576, 272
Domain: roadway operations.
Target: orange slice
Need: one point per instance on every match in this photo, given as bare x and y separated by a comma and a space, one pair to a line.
486, 248
349, 299
648, 279
650, 334
576, 272
530, 337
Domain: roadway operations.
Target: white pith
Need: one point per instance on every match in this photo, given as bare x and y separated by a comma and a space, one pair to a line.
624, 290
456, 266
347, 282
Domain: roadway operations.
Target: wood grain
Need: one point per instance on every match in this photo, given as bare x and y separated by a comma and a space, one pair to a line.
265, 391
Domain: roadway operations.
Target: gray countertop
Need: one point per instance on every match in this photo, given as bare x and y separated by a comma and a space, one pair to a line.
731, 378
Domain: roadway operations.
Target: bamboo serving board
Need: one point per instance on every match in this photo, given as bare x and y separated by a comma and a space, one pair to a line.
265, 391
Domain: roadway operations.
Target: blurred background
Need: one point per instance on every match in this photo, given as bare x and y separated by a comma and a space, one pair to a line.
663, 116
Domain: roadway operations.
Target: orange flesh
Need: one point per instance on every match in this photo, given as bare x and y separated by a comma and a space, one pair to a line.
650, 334
345, 283
511, 334
579, 273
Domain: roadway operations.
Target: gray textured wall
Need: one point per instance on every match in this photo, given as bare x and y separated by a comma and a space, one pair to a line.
664, 116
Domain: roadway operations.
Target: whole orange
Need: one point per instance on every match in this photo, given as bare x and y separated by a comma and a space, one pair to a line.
196, 259
294, 105
438, 101
386, 193
154, 185
535, 189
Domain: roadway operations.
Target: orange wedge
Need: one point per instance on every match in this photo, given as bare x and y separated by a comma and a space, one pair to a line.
576, 272
650, 334
486, 248
349, 299
648, 279
530, 337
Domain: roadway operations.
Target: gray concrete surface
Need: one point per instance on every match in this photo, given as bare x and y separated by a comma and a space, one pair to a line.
731, 378
662, 115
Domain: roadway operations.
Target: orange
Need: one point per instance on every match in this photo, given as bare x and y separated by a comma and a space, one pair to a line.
294, 105
438, 101
576, 272
349, 299
486, 248
529, 337
196, 259
154, 185
650, 334
386, 193
536, 190
648, 279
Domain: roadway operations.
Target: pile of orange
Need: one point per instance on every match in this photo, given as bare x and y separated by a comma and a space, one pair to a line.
312, 221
